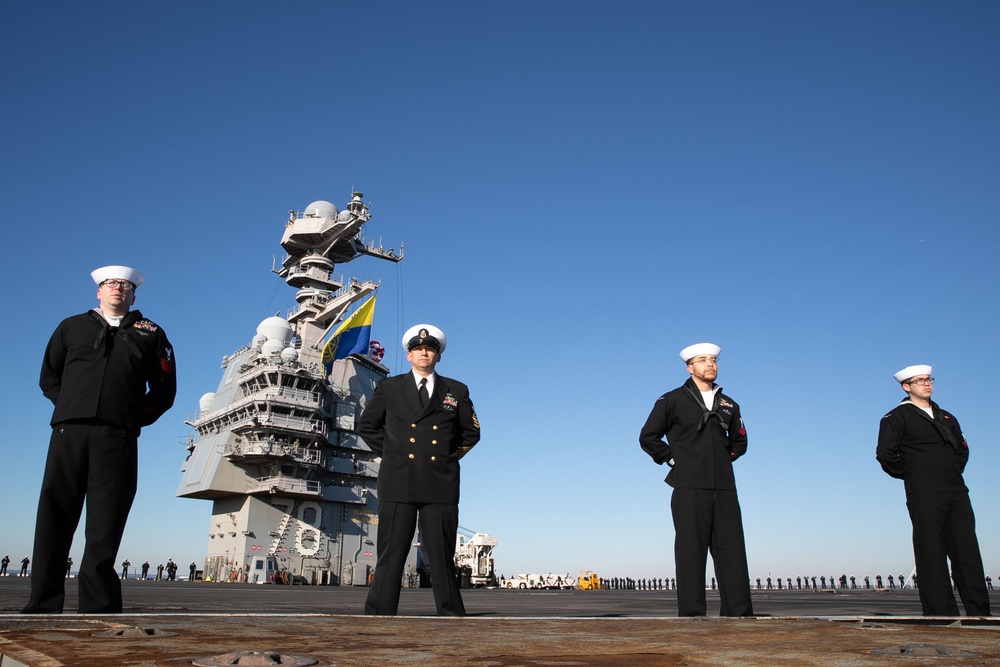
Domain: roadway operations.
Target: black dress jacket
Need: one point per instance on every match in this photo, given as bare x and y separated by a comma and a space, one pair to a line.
420, 446
701, 444
928, 454
124, 376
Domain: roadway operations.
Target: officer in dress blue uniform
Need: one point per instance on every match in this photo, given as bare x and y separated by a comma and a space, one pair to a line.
420, 424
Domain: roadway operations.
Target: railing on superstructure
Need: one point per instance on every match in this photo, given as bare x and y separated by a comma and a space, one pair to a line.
254, 448
319, 298
308, 398
264, 420
309, 270
286, 485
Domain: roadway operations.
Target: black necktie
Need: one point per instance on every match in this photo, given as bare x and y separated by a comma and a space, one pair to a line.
425, 397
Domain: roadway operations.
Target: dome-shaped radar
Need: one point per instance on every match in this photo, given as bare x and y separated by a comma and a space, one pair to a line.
345, 216
205, 402
272, 347
258, 340
276, 328
320, 209
289, 354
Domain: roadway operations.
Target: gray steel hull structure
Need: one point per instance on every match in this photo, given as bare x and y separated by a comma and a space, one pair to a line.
293, 488
288, 479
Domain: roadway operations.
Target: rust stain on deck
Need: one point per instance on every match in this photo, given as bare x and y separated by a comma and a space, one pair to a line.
355, 641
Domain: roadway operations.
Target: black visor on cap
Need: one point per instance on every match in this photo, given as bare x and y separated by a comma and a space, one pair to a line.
423, 337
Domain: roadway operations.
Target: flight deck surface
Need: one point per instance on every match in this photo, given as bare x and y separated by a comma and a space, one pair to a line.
196, 623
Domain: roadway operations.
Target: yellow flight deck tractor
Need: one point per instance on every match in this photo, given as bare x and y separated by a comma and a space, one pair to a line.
588, 581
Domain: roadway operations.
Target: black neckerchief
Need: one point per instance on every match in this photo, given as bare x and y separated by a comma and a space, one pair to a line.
945, 432
107, 332
706, 414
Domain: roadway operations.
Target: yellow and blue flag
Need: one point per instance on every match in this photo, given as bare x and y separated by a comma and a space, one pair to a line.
353, 336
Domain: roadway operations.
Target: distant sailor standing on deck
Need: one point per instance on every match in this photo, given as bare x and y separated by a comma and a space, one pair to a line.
923, 445
704, 435
109, 372
421, 424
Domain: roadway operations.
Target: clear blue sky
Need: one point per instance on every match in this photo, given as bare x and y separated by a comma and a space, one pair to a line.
583, 188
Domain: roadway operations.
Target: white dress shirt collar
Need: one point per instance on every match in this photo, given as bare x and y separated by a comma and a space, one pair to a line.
430, 382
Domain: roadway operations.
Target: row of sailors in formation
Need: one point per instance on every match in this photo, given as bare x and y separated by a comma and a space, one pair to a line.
807, 583
168, 571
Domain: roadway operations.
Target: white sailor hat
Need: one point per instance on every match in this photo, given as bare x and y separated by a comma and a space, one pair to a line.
117, 273
424, 334
911, 371
692, 351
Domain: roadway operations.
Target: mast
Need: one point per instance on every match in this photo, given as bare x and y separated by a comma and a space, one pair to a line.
276, 451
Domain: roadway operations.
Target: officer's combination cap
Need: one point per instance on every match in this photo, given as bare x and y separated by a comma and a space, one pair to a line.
424, 334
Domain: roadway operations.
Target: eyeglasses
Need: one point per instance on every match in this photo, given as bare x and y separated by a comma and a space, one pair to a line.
927, 381
123, 285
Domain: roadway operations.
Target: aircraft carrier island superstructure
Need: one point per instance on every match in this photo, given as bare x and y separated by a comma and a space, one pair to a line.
276, 451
